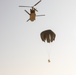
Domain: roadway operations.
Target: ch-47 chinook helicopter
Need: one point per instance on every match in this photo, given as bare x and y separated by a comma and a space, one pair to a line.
32, 13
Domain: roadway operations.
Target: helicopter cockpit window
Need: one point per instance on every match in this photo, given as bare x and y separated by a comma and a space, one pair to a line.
32, 11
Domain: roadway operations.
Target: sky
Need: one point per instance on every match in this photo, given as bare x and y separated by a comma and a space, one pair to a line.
22, 52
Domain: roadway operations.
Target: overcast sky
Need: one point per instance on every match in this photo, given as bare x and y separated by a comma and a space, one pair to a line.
22, 52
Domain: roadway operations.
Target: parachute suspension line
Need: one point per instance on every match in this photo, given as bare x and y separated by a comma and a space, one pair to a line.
48, 55
49, 58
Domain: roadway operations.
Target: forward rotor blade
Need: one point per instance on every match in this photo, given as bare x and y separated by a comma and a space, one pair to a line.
37, 3
25, 6
36, 9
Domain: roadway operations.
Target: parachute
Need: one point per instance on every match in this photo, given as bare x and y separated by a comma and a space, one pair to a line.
48, 35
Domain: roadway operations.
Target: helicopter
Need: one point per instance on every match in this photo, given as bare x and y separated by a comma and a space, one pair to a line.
32, 13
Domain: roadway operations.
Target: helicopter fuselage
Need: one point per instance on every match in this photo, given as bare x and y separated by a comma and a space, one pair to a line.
32, 15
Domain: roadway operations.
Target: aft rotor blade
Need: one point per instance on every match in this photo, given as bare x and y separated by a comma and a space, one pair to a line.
27, 20
27, 12
40, 15
25, 6
37, 3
